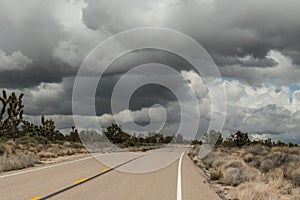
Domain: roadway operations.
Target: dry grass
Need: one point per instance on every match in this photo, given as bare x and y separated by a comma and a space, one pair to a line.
19, 161
142, 148
258, 173
26, 152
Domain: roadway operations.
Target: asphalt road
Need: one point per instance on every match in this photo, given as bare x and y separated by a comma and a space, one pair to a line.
165, 173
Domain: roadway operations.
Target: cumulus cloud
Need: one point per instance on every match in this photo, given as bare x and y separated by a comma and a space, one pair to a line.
227, 29
284, 73
263, 111
47, 98
254, 43
14, 61
57, 35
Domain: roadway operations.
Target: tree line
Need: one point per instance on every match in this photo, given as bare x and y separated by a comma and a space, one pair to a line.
13, 125
238, 139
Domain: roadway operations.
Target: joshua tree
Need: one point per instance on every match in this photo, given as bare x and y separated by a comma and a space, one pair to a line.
29, 129
239, 139
115, 134
14, 108
48, 128
74, 136
4, 102
213, 138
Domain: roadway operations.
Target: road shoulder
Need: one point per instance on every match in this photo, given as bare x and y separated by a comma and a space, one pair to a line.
194, 183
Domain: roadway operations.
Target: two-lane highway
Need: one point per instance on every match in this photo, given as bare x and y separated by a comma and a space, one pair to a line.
161, 174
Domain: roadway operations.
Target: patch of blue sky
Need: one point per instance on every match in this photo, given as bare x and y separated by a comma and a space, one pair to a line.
293, 88
230, 79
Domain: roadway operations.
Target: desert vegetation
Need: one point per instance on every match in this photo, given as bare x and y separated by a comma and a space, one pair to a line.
117, 136
13, 125
24, 144
113, 138
242, 169
27, 151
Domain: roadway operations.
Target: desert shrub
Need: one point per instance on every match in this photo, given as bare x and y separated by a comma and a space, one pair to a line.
59, 142
256, 161
266, 166
255, 191
63, 152
288, 168
10, 148
294, 151
11, 143
257, 150
19, 161
295, 193
208, 161
236, 172
248, 157
25, 140
2, 150
295, 176
3, 139
76, 145
47, 154
194, 151
233, 176
256, 172
273, 160
237, 139
218, 163
197, 161
42, 140
215, 175
275, 174
83, 150
278, 158
293, 158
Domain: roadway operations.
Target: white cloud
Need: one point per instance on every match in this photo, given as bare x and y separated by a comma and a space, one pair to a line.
79, 40
14, 61
296, 99
261, 109
284, 73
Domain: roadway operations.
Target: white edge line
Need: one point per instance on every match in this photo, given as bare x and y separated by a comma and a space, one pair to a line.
56, 165
179, 193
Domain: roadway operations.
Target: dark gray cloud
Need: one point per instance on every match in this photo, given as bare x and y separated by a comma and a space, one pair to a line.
229, 30
35, 74
56, 94
234, 33
42, 44
30, 28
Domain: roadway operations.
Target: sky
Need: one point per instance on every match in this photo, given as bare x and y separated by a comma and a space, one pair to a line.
254, 43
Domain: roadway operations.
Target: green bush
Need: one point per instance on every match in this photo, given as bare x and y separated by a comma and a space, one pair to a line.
25, 140
215, 175
2, 150
42, 140
3, 139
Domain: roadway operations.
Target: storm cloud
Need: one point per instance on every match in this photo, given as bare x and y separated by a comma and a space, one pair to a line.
254, 43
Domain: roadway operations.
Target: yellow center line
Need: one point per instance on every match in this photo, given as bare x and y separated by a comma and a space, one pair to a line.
106, 169
85, 179
80, 181
36, 198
